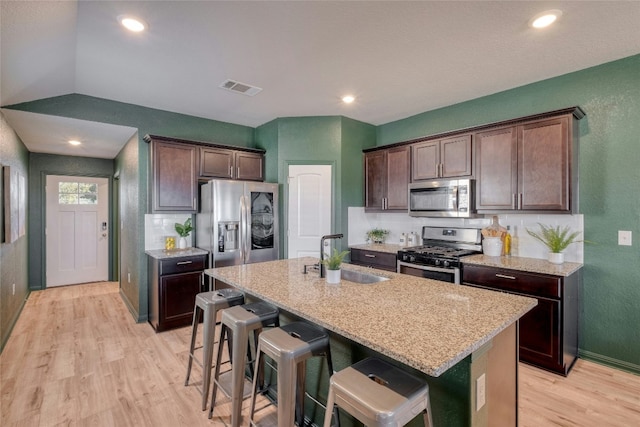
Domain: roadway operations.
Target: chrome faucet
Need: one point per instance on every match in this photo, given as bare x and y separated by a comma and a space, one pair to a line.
327, 237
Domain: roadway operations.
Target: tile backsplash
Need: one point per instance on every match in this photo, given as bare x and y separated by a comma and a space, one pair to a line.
158, 226
522, 243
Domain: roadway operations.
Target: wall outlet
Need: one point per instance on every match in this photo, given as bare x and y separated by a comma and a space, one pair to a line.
13, 289
624, 238
481, 392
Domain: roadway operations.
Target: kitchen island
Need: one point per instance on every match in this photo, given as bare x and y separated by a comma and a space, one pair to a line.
452, 335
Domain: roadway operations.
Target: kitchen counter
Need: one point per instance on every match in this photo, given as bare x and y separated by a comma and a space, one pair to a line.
388, 248
426, 324
533, 265
174, 253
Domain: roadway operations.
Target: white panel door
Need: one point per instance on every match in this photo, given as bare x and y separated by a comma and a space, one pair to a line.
309, 214
77, 235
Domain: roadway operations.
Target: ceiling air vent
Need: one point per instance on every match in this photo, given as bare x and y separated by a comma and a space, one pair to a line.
238, 87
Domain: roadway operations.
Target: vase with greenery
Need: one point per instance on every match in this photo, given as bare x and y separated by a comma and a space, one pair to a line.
556, 239
377, 235
333, 263
183, 231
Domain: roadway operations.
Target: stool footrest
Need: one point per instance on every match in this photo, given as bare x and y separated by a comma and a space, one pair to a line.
225, 380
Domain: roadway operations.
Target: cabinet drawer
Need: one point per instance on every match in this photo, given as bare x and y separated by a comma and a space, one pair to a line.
375, 259
182, 265
514, 281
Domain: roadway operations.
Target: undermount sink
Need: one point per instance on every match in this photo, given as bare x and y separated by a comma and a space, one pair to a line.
362, 278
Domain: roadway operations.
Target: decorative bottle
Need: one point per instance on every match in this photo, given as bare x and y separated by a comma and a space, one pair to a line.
506, 246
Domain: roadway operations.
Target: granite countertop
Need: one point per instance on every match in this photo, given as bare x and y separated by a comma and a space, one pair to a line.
533, 265
378, 247
426, 324
175, 253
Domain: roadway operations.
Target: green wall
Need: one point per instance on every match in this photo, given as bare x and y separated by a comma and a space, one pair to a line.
609, 197
13, 256
330, 140
132, 164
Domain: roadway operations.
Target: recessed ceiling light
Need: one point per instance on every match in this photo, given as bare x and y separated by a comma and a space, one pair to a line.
74, 142
132, 24
348, 99
546, 18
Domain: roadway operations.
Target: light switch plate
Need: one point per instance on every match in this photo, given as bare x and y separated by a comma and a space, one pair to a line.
624, 238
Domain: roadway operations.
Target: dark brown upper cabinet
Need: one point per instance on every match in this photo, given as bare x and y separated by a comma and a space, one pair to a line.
528, 167
177, 165
174, 181
443, 158
231, 164
386, 174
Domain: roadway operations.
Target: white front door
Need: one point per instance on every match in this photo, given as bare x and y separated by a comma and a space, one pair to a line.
77, 234
309, 214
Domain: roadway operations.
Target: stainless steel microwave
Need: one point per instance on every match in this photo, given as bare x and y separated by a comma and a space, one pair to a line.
453, 198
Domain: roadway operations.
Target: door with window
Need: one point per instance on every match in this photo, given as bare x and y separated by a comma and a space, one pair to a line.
77, 233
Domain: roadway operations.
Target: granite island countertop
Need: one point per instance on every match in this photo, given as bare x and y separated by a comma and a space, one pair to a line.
426, 324
532, 265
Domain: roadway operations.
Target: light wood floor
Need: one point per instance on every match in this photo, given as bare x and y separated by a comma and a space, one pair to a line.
76, 357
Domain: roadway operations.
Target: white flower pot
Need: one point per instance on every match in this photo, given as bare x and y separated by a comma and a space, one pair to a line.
333, 277
556, 257
182, 243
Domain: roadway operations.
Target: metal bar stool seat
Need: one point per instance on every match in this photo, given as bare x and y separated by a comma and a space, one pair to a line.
236, 324
208, 304
379, 394
290, 346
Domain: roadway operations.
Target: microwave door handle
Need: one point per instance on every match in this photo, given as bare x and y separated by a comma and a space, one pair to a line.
455, 198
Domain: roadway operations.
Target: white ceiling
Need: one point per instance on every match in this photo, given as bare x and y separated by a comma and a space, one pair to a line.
398, 58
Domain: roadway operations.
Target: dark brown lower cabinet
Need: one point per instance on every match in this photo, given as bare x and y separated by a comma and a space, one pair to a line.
549, 332
173, 286
374, 259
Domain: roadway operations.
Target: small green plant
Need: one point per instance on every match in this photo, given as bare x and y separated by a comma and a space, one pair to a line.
377, 235
334, 261
183, 230
555, 238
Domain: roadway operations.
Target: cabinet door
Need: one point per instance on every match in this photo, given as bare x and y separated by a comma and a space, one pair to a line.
375, 179
174, 177
455, 156
216, 163
543, 165
540, 335
177, 297
425, 160
398, 178
249, 166
496, 169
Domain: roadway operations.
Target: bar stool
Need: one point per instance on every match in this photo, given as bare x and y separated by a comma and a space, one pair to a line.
208, 303
237, 322
379, 394
290, 346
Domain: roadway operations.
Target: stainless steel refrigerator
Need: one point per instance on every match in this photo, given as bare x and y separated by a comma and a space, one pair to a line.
238, 222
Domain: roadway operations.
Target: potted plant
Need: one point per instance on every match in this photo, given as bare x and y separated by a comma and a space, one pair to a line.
333, 263
377, 235
183, 231
556, 239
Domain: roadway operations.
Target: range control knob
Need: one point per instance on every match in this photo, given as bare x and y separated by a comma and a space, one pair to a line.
446, 264
436, 262
412, 258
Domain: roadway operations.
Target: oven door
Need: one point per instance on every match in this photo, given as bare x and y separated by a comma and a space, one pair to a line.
451, 275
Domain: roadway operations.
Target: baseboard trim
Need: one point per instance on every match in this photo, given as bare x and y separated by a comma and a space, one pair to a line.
609, 361
131, 308
13, 322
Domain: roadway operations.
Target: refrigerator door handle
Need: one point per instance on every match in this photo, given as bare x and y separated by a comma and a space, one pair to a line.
242, 242
247, 230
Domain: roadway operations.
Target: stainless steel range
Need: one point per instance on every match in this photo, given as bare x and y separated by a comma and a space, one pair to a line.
439, 256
